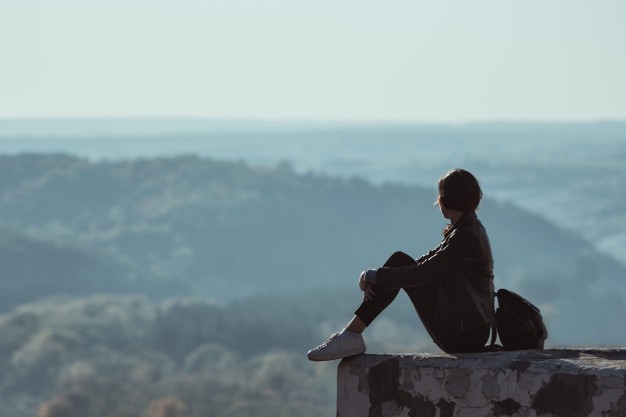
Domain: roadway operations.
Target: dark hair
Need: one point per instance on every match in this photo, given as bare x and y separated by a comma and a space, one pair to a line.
459, 190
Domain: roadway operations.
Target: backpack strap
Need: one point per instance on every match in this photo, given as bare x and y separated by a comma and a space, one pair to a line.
494, 334
494, 327
493, 347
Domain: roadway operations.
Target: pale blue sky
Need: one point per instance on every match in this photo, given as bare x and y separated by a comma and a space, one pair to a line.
392, 60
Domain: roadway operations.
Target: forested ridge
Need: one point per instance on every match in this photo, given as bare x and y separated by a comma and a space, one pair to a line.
123, 356
197, 285
188, 225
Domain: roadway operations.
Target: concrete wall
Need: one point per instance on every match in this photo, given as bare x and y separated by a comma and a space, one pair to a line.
560, 383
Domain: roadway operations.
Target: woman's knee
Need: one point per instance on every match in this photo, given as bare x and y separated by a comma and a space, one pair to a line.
399, 258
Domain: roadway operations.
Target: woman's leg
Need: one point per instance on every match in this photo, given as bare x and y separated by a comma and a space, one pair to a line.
424, 301
471, 341
369, 310
349, 342
422, 298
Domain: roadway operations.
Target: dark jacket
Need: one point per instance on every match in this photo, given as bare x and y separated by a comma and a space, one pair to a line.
461, 269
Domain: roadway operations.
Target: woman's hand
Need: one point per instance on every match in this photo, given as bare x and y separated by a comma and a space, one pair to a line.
362, 283
366, 287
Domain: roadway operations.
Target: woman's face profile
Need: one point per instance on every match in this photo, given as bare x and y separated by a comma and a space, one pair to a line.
444, 211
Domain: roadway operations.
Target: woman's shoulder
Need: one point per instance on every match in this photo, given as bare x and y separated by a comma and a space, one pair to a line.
470, 227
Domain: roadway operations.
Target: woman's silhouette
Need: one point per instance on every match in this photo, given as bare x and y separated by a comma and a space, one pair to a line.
451, 287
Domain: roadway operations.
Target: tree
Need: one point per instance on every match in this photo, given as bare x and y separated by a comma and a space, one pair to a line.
166, 407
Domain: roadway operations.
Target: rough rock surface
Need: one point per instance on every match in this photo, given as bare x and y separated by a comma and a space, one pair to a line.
530, 383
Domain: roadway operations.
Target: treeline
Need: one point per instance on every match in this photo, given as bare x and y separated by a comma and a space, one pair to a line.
126, 357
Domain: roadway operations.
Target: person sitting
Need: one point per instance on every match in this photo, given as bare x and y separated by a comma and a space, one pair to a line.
451, 287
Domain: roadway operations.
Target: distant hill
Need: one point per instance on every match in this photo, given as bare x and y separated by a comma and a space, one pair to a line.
33, 268
571, 173
194, 226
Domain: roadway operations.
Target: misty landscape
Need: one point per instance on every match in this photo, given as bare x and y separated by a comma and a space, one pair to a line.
163, 268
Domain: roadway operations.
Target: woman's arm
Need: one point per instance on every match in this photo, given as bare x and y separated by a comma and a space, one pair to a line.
454, 254
429, 254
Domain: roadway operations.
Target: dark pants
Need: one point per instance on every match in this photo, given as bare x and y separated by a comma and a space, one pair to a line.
423, 299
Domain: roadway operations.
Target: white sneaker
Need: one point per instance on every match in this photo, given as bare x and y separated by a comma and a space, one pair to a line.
338, 346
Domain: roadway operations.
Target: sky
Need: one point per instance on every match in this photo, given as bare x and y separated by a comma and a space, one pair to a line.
333, 60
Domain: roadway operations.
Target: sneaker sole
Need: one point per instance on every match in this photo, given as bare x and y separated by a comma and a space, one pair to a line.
332, 358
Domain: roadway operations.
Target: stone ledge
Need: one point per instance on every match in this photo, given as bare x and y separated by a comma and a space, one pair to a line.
530, 383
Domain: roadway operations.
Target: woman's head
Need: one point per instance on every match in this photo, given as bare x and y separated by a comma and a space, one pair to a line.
459, 190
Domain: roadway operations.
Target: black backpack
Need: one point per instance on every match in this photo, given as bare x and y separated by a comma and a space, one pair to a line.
518, 323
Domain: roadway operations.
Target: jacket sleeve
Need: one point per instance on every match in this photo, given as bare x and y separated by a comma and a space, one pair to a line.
428, 255
453, 255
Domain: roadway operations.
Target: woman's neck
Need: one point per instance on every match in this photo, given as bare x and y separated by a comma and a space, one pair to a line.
454, 216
